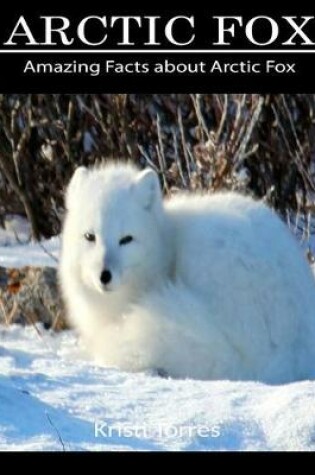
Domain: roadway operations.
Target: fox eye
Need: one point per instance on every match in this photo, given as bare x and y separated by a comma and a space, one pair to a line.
90, 237
125, 240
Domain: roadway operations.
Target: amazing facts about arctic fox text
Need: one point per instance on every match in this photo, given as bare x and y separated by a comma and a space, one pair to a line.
269, 66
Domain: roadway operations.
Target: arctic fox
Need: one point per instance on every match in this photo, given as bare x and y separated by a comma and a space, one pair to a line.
205, 287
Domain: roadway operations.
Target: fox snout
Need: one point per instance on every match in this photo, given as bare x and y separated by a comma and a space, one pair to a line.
106, 276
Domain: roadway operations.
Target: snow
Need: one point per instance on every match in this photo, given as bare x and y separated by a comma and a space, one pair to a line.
52, 397
16, 249
36, 254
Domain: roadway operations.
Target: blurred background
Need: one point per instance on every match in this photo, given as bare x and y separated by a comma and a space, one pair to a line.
258, 144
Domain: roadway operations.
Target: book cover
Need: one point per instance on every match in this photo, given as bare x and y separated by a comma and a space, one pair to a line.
157, 229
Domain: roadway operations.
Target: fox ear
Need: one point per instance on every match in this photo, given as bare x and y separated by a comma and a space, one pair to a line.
147, 188
74, 185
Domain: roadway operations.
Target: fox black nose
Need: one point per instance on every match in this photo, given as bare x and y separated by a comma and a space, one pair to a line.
106, 276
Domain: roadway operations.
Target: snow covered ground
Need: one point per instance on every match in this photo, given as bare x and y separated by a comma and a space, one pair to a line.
53, 398
16, 249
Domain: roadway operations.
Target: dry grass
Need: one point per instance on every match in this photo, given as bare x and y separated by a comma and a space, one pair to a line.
259, 144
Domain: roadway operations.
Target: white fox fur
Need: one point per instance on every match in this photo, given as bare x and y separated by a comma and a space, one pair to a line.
209, 287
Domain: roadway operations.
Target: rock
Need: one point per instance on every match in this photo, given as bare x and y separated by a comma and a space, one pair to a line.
31, 294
